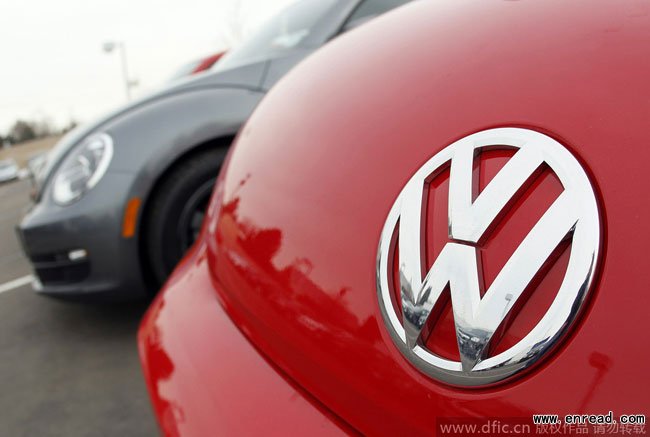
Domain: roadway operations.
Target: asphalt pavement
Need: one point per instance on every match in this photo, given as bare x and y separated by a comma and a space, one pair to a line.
65, 369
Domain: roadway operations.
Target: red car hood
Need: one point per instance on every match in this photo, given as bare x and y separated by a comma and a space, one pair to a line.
314, 174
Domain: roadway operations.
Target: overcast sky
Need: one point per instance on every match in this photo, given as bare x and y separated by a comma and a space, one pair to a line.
53, 64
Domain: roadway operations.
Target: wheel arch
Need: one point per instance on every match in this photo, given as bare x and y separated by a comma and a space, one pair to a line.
221, 142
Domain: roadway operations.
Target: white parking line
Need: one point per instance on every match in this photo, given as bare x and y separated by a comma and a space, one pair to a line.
16, 283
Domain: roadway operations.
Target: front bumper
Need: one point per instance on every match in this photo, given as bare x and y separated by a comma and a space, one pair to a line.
53, 238
205, 378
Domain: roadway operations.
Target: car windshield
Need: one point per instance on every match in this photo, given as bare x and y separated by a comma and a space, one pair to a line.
287, 30
5, 164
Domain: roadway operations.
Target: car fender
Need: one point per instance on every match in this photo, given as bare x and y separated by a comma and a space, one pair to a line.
150, 139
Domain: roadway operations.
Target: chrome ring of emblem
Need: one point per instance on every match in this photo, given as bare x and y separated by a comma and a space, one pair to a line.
574, 213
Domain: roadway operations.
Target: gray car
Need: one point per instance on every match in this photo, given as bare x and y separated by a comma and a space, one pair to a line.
120, 201
8, 170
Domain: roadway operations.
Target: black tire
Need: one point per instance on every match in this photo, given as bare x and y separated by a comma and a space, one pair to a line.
173, 220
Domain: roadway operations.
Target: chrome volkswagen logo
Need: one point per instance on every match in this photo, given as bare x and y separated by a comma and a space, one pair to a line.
574, 215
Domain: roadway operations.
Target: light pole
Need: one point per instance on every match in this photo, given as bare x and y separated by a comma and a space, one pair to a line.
109, 47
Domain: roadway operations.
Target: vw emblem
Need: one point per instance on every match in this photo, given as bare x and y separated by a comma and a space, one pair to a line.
411, 298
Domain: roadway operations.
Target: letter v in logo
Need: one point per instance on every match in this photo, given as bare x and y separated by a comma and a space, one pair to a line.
574, 213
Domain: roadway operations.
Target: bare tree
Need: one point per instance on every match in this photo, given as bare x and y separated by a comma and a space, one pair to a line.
22, 131
27, 130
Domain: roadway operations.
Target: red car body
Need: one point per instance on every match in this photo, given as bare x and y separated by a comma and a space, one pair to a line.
207, 62
272, 325
197, 66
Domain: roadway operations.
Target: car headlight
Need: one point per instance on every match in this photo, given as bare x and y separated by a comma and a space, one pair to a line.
82, 169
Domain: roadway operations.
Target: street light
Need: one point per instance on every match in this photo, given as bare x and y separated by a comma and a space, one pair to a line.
109, 47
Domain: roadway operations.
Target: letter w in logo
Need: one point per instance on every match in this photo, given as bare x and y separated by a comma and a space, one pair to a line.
476, 319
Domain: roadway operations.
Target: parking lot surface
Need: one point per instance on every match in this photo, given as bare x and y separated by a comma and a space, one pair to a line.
65, 369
